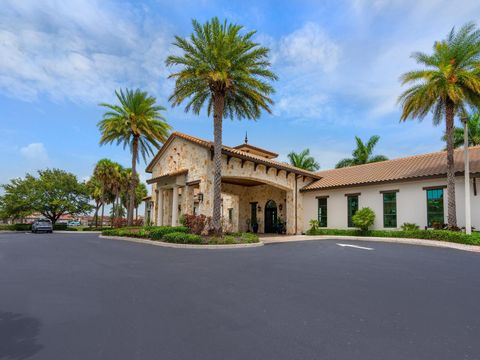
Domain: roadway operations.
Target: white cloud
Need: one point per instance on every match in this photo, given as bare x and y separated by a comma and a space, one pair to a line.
298, 57
309, 47
35, 152
77, 50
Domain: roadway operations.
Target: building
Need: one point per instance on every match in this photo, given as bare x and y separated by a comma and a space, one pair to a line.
256, 188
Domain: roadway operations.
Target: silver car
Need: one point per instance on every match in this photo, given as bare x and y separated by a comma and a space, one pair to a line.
42, 225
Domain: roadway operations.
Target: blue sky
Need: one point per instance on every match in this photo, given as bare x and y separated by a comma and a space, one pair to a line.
338, 62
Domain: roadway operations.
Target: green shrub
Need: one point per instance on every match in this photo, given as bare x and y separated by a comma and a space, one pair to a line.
158, 232
314, 224
364, 218
22, 227
182, 238
410, 227
249, 238
229, 239
60, 227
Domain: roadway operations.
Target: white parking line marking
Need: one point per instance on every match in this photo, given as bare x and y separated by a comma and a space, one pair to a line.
355, 246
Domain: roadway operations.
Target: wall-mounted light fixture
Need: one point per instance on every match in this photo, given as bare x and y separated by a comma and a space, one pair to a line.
200, 197
280, 207
259, 208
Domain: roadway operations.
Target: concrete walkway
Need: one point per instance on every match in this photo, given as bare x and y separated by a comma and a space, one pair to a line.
273, 239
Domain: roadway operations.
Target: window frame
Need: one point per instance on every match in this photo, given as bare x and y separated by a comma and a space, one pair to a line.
350, 213
394, 215
437, 213
322, 218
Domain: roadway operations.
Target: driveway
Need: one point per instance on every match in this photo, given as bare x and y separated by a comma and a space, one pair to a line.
72, 296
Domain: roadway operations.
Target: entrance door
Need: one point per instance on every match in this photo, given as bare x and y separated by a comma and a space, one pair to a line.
270, 216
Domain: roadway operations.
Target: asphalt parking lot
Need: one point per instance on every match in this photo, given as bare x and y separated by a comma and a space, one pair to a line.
75, 296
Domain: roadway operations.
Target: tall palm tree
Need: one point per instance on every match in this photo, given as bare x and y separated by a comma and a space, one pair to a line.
473, 132
226, 71
303, 160
363, 153
137, 123
449, 83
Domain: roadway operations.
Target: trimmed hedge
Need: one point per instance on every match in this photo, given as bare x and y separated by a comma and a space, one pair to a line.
16, 227
440, 235
159, 232
28, 227
180, 235
149, 232
182, 238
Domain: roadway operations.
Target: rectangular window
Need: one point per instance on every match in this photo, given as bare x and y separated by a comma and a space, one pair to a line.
230, 215
352, 201
322, 212
434, 206
390, 210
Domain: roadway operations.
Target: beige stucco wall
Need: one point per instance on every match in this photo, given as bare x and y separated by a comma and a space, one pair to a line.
411, 203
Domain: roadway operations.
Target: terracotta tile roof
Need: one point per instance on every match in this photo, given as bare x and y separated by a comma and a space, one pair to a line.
269, 153
412, 167
230, 151
173, 173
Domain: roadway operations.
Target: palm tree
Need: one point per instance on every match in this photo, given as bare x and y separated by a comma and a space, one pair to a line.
95, 190
473, 132
140, 193
229, 73
107, 172
137, 123
363, 153
303, 160
449, 83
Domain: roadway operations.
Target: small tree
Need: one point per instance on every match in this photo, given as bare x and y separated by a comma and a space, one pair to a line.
314, 225
364, 218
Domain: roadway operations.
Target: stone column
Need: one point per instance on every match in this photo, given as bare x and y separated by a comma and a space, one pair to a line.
187, 200
175, 206
160, 207
290, 212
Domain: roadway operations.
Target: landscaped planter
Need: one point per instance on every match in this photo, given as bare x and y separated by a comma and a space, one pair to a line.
181, 235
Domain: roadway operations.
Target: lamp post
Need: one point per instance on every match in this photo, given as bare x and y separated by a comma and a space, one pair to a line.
468, 220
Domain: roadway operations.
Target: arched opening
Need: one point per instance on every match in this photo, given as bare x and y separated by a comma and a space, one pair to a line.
270, 216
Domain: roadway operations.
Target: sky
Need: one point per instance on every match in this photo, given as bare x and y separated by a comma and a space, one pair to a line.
338, 63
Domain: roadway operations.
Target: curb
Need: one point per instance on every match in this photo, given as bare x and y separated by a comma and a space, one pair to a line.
75, 232
182, 246
407, 241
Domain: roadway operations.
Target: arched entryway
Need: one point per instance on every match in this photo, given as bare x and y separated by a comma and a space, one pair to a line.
270, 216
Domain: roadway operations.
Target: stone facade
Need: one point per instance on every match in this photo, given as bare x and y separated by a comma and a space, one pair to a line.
182, 182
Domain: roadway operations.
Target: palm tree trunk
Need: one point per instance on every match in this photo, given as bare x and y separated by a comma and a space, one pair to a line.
103, 211
97, 207
116, 213
219, 102
133, 182
449, 121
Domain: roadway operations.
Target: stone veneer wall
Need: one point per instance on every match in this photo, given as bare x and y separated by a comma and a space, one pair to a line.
261, 194
183, 154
